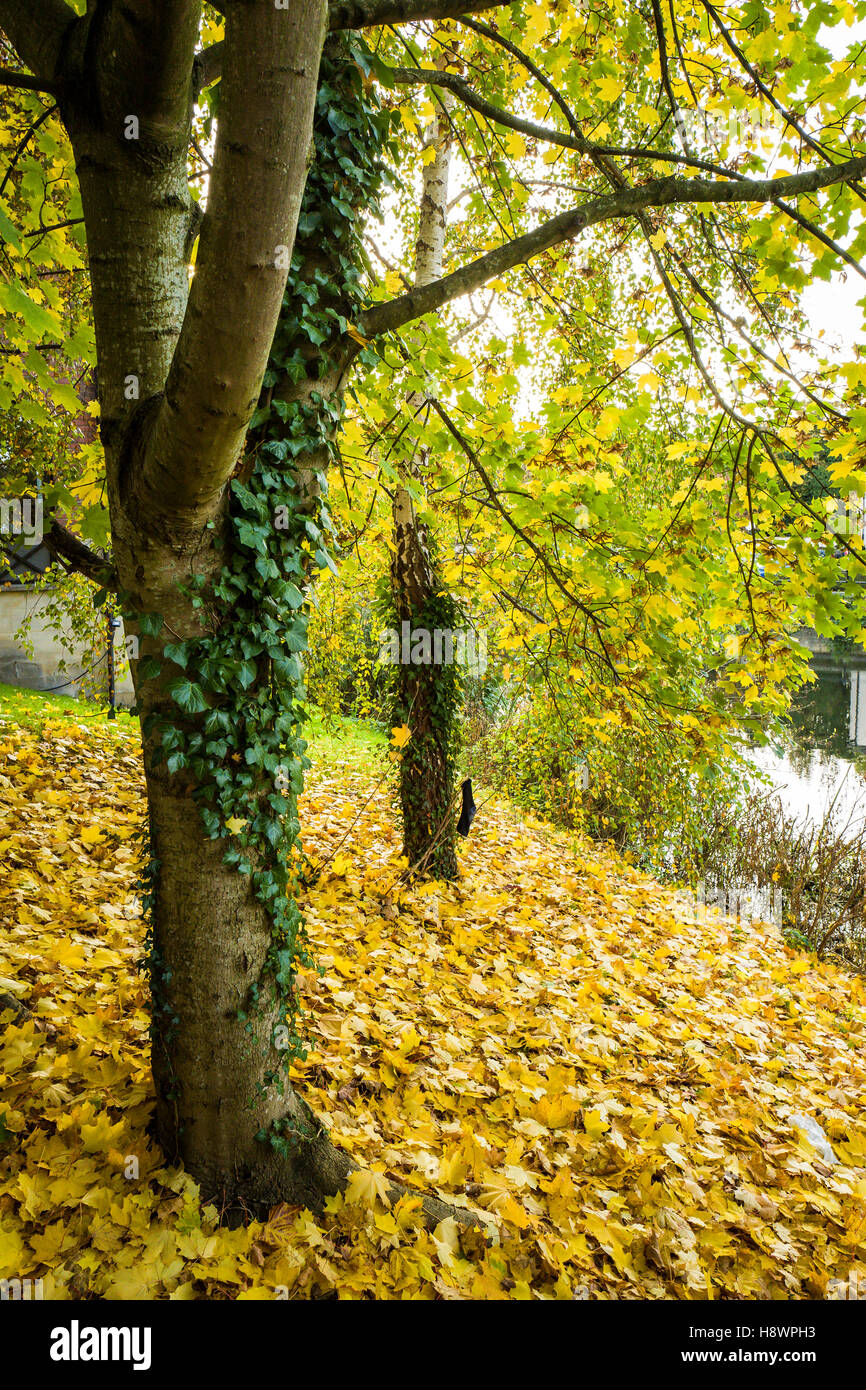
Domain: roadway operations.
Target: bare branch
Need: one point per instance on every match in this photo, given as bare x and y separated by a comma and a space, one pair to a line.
625, 202
73, 554
10, 78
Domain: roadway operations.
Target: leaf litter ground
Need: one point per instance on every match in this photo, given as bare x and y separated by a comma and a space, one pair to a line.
553, 1042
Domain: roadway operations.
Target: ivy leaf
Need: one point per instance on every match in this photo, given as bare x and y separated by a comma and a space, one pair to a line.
149, 668
177, 652
189, 696
150, 624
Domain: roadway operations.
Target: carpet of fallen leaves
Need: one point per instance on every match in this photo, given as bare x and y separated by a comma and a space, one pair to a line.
551, 1041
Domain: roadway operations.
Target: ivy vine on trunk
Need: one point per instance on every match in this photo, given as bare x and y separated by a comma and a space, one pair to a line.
237, 731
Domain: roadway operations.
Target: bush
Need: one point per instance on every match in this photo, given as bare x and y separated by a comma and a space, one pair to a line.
343, 676
648, 793
819, 869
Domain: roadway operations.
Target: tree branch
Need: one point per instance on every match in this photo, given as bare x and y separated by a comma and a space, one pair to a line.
462, 90
208, 66
36, 31
79, 557
364, 14
355, 14
54, 227
496, 502
576, 141
198, 429
541, 77
9, 77
148, 46
626, 202
788, 116
22, 145
821, 236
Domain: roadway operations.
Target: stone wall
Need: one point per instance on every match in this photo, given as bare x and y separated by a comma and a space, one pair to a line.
41, 672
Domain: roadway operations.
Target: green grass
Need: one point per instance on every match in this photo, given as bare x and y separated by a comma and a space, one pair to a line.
349, 743
31, 709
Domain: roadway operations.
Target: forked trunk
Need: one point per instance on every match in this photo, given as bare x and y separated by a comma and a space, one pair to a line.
224, 1106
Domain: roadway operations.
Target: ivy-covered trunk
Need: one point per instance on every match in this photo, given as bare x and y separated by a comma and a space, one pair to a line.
222, 626
211, 578
223, 926
426, 693
426, 700
218, 527
211, 938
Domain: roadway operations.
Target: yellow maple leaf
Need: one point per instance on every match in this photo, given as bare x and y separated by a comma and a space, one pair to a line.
365, 1187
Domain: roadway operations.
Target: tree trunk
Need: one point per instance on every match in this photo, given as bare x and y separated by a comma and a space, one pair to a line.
209, 933
208, 945
427, 774
179, 373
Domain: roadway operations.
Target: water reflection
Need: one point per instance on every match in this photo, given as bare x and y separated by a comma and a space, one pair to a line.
823, 765
857, 718
830, 714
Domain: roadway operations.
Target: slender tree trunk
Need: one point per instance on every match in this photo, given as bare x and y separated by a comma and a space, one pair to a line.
427, 791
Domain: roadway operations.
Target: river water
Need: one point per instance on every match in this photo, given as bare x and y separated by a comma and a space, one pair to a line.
820, 770
825, 762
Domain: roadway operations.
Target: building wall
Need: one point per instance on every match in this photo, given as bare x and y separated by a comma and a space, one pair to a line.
41, 671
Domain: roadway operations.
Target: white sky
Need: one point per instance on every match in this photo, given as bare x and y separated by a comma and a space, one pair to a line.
833, 305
